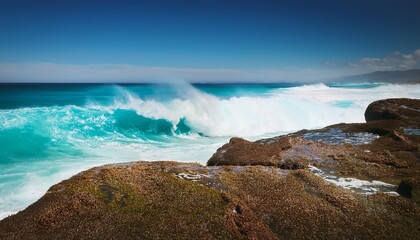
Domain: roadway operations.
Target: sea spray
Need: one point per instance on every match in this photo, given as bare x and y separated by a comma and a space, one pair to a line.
47, 134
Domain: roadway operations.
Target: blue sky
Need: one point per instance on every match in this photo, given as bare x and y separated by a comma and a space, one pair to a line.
205, 40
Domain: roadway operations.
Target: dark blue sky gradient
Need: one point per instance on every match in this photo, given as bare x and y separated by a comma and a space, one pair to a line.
206, 34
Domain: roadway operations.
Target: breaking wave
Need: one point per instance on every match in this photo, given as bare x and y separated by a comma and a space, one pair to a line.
192, 112
42, 145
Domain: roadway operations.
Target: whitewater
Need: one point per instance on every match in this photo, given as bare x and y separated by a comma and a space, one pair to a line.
50, 132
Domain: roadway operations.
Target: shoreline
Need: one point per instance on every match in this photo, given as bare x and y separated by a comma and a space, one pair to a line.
331, 179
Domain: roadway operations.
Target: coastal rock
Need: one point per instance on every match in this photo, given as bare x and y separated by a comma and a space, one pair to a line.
346, 181
170, 200
242, 152
383, 150
401, 109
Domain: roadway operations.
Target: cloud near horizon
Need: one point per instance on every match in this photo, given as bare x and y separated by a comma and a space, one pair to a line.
125, 73
51, 72
395, 61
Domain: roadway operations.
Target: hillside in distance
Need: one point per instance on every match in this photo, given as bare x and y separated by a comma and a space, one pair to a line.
408, 76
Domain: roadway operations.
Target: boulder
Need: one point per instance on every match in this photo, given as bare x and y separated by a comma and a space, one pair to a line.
399, 108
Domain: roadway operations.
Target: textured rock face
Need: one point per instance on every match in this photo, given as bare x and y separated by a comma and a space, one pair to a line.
384, 150
402, 109
169, 200
242, 152
340, 182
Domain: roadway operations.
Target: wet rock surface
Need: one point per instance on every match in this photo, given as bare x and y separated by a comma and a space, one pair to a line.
336, 136
347, 181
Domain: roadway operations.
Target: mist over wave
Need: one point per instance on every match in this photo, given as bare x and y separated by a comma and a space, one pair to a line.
280, 110
44, 144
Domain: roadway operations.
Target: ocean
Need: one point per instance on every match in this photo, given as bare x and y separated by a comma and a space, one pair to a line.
49, 132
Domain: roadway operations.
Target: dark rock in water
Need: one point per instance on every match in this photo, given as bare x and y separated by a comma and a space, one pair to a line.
347, 181
401, 109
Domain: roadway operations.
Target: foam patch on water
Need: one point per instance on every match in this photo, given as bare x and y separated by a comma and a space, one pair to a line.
412, 131
356, 185
336, 136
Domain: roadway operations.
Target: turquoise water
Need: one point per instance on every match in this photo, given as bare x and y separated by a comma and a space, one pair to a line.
49, 132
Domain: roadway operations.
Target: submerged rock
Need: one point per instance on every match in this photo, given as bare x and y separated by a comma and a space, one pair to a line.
335, 183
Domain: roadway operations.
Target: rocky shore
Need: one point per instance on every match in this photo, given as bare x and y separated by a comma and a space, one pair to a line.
346, 181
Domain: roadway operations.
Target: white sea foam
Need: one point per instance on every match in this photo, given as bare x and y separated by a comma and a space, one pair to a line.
90, 138
6, 214
307, 107
304, 107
